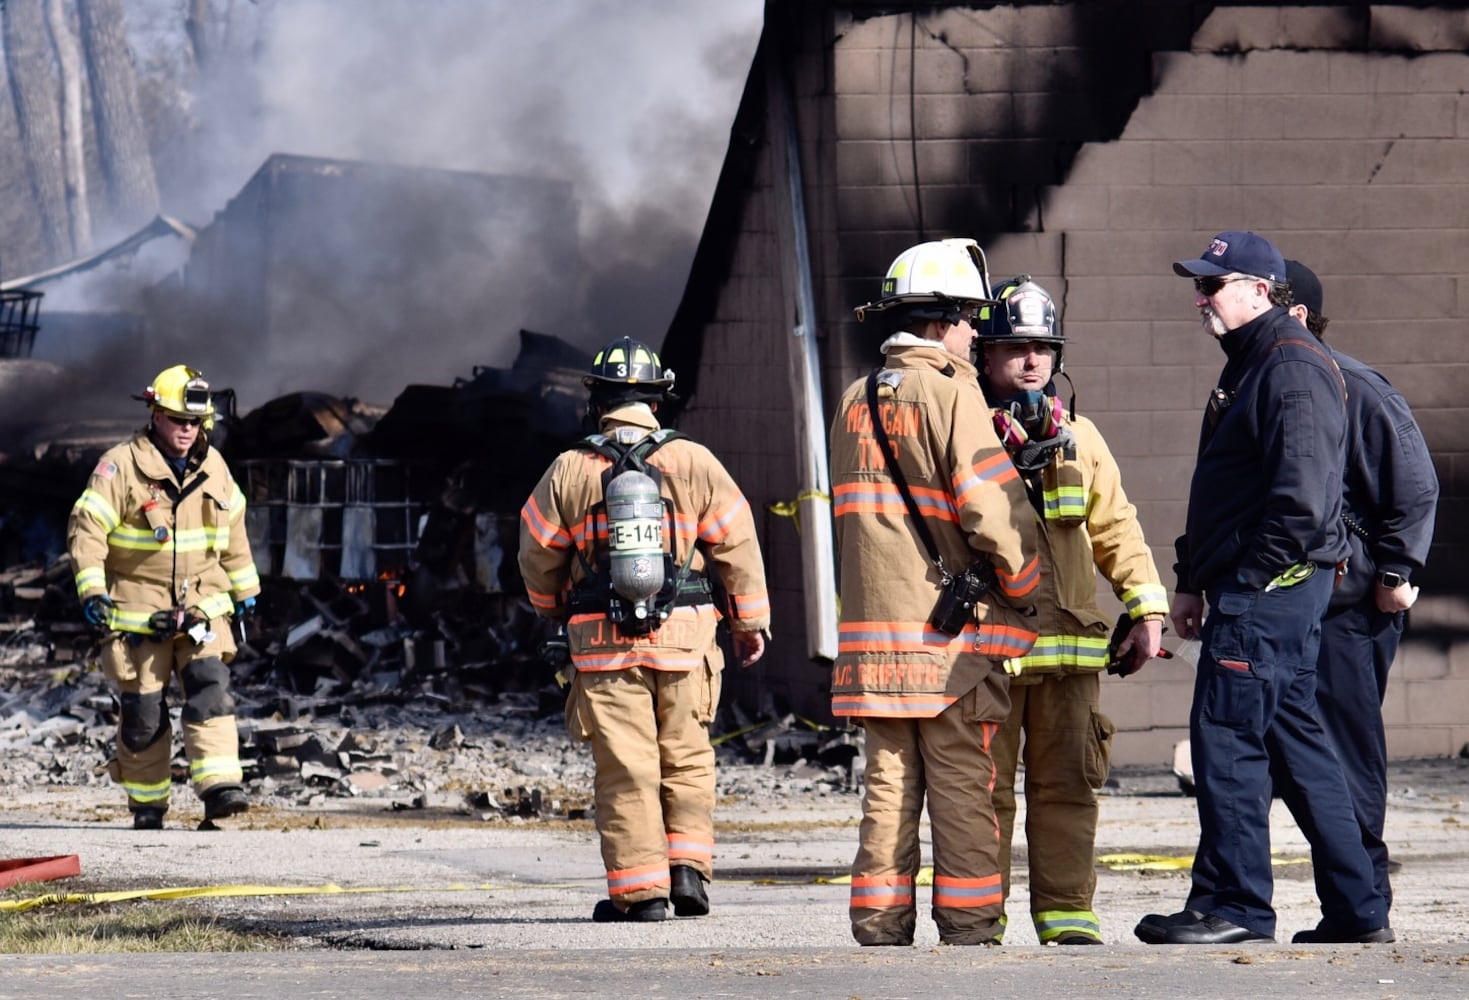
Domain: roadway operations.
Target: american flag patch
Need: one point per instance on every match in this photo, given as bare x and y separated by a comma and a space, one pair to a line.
105, 470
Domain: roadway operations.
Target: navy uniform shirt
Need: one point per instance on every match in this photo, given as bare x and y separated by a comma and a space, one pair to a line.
1389, 490
1266, 491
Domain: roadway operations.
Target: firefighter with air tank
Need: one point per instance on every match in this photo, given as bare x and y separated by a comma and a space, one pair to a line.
640, 542
157, 541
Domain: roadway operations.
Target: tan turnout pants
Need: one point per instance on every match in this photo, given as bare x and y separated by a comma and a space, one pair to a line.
654, 785
1067, 748
141, 671
945, 760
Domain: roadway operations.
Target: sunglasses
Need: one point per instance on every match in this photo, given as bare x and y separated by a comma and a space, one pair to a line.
1211, 285
183, 421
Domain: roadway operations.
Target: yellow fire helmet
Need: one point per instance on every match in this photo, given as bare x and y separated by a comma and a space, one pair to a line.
181, 391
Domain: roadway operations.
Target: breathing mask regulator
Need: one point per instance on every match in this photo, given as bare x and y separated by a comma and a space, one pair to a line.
1029, 423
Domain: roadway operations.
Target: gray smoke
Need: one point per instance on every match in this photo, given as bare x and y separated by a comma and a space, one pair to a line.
627, 102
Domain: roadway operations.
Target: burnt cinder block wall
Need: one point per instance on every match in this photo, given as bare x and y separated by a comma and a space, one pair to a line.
1340, 133
1090, 145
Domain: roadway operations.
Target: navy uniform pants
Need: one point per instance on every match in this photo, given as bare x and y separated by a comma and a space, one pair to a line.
1254, 703
1358, 644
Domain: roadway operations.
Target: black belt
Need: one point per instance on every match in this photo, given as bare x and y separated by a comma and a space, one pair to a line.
693, 591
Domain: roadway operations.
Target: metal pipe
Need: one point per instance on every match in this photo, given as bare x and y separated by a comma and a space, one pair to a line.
818, 560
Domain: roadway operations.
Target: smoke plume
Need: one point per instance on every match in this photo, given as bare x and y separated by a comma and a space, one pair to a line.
629, 103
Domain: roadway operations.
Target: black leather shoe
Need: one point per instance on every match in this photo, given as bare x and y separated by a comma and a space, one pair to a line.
224, 801
148, 818
1212, 930
648, 911
1153, 927
688, 894
1326, 934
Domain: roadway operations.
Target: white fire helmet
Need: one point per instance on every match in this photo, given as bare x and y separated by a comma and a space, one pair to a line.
951, 275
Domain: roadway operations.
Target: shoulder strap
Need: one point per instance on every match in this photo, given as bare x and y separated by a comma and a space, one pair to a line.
624, 455
1330, 361
901, 481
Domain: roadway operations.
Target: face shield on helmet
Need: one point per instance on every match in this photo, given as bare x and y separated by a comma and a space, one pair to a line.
1026, 312
943, 280
181, 392
628, 370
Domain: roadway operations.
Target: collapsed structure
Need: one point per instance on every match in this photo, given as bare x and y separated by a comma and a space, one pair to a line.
384, 535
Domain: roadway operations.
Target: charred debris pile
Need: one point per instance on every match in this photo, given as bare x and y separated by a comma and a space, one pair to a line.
386, 545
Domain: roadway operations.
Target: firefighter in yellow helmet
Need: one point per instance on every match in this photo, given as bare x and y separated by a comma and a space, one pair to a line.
157, 540
632, 538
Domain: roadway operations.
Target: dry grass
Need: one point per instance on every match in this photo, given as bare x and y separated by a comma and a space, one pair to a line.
123, 927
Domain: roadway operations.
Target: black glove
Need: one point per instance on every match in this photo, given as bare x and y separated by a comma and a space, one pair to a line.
97, 610
555, 652
1120, 668
169, 622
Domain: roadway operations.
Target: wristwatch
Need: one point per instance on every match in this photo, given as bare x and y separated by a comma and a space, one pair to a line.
1392, 581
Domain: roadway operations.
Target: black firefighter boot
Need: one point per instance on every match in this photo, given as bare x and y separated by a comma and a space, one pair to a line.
687, 893
647, 911
148, 818
224, 800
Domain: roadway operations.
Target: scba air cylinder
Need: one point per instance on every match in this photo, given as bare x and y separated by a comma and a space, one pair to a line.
635, 538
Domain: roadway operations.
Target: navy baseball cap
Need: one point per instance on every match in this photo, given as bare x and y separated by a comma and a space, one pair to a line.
1305, 287
1235, 253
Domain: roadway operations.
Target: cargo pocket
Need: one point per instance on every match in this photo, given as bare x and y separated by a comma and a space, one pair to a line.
1235, 693
989, 701
1098, 762
578, 724
712, 673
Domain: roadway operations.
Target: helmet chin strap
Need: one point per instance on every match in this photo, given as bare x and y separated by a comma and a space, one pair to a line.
1071, 402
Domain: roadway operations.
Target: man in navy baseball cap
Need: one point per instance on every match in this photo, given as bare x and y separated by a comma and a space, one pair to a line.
1235, 253
1262, 543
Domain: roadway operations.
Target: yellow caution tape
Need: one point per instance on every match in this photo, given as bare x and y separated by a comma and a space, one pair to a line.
1115, 862
792, 508
205, 891
1171, 862
925, 877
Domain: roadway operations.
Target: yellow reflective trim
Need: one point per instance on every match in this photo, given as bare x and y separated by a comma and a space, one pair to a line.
1146, 599
130, 621
237, 502
1083, 651
150, 792
98, 506
1051, 924
141, 540
216, 767
1065, 501
244, 579
91, 578
215, 606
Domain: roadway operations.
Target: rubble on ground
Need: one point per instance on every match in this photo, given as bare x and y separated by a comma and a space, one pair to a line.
392, 655
338, 696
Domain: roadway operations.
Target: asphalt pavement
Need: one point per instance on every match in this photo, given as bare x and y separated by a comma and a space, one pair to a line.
375, 903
